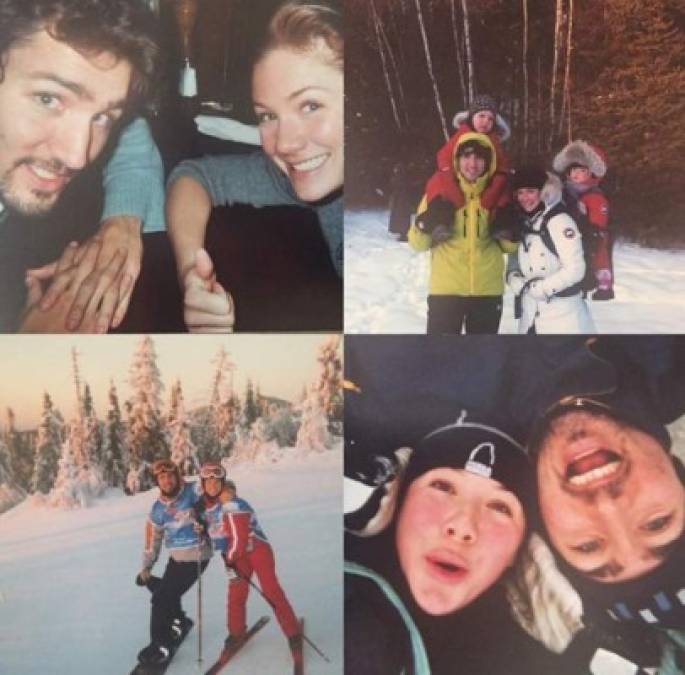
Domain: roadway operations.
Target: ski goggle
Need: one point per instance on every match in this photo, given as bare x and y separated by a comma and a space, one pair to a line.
212, 472
163, 466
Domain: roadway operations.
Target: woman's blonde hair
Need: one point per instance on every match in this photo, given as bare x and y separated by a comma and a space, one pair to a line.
300, 25
542, 600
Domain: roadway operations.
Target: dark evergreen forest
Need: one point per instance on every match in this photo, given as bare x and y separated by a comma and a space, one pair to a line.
611, 73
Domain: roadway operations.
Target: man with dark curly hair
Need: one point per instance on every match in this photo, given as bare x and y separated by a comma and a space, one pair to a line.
73, 73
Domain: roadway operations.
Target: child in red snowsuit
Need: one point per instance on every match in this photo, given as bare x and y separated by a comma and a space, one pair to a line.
583, 166
482, 117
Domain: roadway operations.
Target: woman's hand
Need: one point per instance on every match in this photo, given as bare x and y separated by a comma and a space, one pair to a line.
207, 307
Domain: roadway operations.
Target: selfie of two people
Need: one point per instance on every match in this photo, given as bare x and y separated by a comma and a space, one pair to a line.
585, 573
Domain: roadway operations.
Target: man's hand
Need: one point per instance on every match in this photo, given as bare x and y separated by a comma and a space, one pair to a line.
207, 307
82, 273
144, 575
117, 235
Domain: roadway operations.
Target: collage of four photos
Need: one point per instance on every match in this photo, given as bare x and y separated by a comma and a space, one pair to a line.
257, 421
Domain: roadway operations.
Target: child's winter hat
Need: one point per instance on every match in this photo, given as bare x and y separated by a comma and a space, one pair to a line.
581, 153
477, 448
529, 176
482, 102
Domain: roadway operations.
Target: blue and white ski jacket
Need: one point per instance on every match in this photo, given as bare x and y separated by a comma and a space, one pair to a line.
232, 527
174, 521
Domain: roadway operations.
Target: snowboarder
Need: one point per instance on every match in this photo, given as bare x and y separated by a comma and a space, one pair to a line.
234, 530
483, 118
172, 517
583, 166
551, 262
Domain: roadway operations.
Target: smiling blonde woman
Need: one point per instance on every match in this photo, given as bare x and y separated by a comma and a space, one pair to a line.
297, 91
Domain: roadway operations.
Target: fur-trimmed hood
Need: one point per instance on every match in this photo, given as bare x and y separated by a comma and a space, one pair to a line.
503, 129
581, 152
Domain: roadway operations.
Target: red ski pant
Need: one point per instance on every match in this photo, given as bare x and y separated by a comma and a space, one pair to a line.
260, 561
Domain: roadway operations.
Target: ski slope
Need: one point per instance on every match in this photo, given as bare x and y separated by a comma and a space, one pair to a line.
69, 605
386, 285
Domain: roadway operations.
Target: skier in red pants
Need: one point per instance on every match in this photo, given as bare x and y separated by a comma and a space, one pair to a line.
233, 527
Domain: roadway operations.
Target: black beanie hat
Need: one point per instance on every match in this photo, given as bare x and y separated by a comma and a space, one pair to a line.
477, 448
529, 176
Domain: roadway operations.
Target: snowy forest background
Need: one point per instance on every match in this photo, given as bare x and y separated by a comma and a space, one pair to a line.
69, 462
611, 73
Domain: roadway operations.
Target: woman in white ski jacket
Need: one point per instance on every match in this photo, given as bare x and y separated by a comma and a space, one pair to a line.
551, 262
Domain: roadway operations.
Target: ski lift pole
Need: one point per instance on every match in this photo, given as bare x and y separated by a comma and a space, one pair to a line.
271, 604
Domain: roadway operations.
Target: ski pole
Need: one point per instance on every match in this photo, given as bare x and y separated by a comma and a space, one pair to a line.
271, 604
199, 602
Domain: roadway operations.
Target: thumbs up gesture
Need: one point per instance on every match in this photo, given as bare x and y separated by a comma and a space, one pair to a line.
207, 306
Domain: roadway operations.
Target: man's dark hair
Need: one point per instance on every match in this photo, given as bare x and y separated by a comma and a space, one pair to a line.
126, 28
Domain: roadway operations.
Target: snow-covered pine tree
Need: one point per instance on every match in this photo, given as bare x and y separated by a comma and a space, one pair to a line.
114, 451
329, 383
91, 429
322, 407
146, 433
250, 408
20, 453
183, 452
48, 447
10, 492
222, 410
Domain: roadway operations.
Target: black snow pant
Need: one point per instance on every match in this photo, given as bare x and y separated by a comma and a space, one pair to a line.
475, 314
166, 597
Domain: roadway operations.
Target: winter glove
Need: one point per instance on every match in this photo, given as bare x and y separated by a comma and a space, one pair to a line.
143, 576
536, 291
231, 573
440, 235
440, 213
516, 282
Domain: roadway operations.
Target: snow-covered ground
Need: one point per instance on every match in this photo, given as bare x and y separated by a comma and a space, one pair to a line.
69, 606
386, 284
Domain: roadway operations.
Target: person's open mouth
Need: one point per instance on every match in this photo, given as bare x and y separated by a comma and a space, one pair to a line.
45, 179
446, 567
593, 468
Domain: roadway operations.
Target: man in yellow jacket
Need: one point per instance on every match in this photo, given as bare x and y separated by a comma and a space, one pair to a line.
467, 263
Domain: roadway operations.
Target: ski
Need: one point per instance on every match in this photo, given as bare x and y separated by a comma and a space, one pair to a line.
227, 654
159, 668
298, 657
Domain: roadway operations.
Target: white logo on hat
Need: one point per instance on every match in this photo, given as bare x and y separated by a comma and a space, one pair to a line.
477, 467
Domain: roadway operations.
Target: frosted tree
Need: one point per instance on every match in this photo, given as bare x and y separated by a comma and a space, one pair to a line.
222, 409
48, 447
69, 490
114, 451
146, 437
183, 452
91, 430
328, 385
250, 408
10, 492
19, 451
322, 406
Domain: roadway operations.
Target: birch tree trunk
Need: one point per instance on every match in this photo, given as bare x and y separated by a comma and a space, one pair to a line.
386, 74
459, 51
467, 46
555, 66
402, 101
565, 115
525, 75
431, 74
